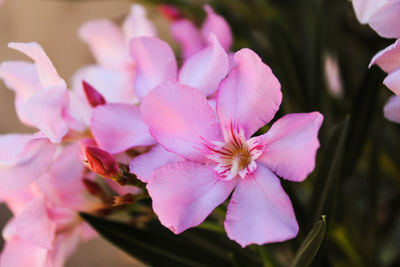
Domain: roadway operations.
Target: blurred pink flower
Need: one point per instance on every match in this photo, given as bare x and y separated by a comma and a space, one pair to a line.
220, 154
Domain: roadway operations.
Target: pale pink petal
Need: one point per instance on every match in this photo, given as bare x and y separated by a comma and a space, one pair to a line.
364, 9
62, 183
107, 43
250, 95
291, 145
180, 118
155, 62
47, 73
217, 25
188, 36
137, 24
260, 211
185, 193
386, 20
144, 164
21, 253
34, 225
64, 246
28, 165
392, 81
118, 127
11, 146
46, 110
16, 199
389, 58
205, 69
392, 109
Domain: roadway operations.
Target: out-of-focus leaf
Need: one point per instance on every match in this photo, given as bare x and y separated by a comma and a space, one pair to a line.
311, 244
157, 246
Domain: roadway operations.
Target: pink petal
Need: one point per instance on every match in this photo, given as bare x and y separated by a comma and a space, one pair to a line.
155, 63
291, 145
260, 211
250, 95
188, 36
16, 199
47, 73
64, 246
144, 165
392, 109
185, 193
364, 9
46, 109
28, 164
11, 146
118, 127
107, 43
386, 20
34, 225
217, 25
389, 58
392, 81
137, 24
180, 118
21, 253
206, 69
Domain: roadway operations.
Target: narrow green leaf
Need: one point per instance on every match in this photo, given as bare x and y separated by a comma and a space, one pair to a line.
311, 244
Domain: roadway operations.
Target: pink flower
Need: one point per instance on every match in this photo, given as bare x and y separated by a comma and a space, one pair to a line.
381, 15
221, 156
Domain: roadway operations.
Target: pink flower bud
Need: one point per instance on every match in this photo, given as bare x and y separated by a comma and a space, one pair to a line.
93, 96
101, 162
171, 13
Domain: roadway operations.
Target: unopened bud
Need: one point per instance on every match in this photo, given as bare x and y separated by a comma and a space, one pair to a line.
93, 96
92, 187
170, 12
101, 162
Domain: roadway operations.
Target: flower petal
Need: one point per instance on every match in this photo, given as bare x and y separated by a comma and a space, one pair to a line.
155, 62
188, 36
28, 165
290, 146
180, 118
46, 111
392, 109
118, 127
392, 81
260, 211
217, 25
144, 165
364, 9
47, 73
137, 24
107, 43
21, 253
185, 193
206, 69
34, 225
389, 58
386, 20
250, 95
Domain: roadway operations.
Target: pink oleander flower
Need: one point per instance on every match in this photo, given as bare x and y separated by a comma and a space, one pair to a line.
219, 155
381, 15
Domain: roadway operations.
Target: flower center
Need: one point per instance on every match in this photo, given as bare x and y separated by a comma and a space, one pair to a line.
236, 155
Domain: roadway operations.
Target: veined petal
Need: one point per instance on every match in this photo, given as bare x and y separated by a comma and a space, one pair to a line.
217, 25
389, 58
185, 193
46, 111
392, 109
206, 69
386, 20
47, 73
260, 211
144, 164
290, 146
155, 62
180, 118
250, 95
188, 36
34, 225
118, 127
107, 43
364, 9
137, 24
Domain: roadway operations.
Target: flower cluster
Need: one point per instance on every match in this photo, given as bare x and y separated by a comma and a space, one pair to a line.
186, 131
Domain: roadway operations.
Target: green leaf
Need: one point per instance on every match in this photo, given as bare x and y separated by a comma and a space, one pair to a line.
311, 244
157, 246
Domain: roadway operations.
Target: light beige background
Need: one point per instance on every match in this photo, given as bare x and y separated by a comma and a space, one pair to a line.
54, 24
